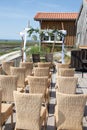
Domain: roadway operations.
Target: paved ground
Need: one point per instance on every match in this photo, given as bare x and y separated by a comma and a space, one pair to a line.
82, 88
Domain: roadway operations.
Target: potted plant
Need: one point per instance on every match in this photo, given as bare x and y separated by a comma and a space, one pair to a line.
34, 53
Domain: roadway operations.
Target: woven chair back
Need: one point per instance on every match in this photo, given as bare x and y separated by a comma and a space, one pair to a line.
28, 107
44, 64
28, 67
37, 84
70, 111
8, 83
20, 73
67, 84
60, 65
6, 66
41, 71
68, 72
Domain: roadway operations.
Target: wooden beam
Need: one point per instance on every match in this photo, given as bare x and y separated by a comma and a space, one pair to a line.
83, 47
62, 25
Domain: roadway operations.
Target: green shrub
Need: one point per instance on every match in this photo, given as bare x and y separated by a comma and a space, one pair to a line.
34, 50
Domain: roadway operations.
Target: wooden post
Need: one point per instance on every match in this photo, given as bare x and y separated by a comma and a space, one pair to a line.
22, 44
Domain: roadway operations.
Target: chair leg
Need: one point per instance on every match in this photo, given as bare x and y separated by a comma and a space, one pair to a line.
45, 120
12, 120
0, 124
0, 127
47, 113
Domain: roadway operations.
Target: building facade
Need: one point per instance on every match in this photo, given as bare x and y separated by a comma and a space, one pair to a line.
81, 34
60, 21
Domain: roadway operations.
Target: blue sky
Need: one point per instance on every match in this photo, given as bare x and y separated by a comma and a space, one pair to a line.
15, 14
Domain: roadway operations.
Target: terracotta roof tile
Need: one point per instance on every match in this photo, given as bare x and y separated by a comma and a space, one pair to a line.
55, 16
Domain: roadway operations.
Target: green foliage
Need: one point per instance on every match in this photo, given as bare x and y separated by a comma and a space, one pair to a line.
10, 42
45, 49
34, 50
34, 37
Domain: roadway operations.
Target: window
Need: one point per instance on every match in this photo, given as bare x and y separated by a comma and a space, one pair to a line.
52, 38
46, 38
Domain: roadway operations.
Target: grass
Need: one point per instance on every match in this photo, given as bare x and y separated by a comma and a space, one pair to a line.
16, 42
10, 42
14, 45
7, 46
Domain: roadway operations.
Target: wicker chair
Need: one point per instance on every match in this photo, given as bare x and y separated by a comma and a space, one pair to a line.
60, 65
39, 85
20, 73
6, 110
43, 72
29, 113
47, 64
44, 64
67, 84
8, 83
6, 66
67, 72
69, 111
28, 67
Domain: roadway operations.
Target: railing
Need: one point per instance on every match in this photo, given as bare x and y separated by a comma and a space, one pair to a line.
15, 56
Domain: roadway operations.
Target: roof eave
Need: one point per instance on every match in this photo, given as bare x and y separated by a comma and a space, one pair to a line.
54, 19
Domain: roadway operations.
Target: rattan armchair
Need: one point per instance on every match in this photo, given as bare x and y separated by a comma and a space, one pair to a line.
60, 65
6, 66
20, 73
45, 71
69, 111
51, 65
67, 84
29, 111
6, 110
28, 67
8, 83
39, 85
68, 72
44, 64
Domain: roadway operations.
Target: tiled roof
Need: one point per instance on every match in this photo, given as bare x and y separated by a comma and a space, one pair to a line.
55, 16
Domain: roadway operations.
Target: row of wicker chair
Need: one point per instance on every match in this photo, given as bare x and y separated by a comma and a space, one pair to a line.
28, 106
28, 66
69, 109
